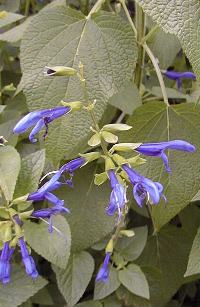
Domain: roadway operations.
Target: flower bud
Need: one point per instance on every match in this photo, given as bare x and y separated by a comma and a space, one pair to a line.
109, 246
127, 147
74, 105
127, 233
90, 156
116, 127
109, 164
20, 200
60, 71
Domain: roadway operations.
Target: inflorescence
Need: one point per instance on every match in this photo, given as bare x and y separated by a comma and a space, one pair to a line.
119, 171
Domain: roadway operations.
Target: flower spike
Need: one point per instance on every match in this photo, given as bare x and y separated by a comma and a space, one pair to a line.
27, 260
5, 267
40, 119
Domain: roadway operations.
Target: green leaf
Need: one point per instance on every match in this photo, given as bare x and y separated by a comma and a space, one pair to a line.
10, 5
7, 18
181, 19
9, 170
193, 266
164, 47
16, 33
94, 140
154, 122
167, 252
6, 129
134, 280
127, 99
31, 170
103, 42
55, 247
131, 248
74, 280
20, 288
87, 207
102, 289
116, 127
43, 297
129, 298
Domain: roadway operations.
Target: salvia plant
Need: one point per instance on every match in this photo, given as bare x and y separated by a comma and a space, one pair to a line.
105, 160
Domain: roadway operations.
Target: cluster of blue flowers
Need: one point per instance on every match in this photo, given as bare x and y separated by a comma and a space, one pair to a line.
144, 189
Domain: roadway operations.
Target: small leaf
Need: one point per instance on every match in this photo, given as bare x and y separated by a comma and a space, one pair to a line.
134, 280
109, 137
20, 289
116, 127
9, 170
193, 266
131, 248
94, 140
73, 281
55, 247
102, 289
100, 178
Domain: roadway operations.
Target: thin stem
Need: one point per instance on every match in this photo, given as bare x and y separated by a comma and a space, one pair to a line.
95, 8
158, 72
149, 209
149, 34
129, 17
140, 26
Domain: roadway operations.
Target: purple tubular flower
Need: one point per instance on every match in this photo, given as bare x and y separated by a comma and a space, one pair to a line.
49, 213
5, 266
157, 149
73, 165
178, 76
103, 274
117, 196
39, 119
144, 187
27, 260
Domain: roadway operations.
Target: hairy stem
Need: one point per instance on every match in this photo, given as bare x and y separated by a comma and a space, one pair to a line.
140, 26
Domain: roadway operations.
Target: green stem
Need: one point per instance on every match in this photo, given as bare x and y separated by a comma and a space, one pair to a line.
140, 26
27, 6
158, 72
149, 34
129, 17
96, 8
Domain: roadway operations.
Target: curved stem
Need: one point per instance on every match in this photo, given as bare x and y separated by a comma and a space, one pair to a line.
158, 72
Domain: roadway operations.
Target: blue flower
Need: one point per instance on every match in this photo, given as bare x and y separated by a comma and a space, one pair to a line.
117, 196
143, 187
103, 274
39, 119
178, 76
5, 266
54, 183
27, 260
49, 213
157, 149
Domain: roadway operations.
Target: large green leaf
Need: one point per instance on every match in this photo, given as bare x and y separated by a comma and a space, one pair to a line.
131, 248
194, 258
73, 281
155, 122
20, 288
31, 170
167, 252
104, 43
55, 247
179, 17
87, 204
9, 170
134, 280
